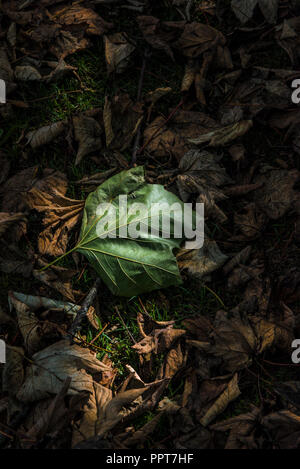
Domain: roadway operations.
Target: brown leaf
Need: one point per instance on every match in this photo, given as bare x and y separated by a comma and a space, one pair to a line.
159, 340
241, 429
92, 411
7, 220
224, 135
121, 121
234, 341
13, 372
15, 189
201, 262
46, 134
201, 174
88, 135
198, 38
284, 427
53, 365
229, 394
60, 213
277, 195
33, 331
154, 33
117, 52
172, 138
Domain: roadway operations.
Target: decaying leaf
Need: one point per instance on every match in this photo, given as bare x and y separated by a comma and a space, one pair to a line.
88, 135
244, 9
159, 340
241, 429
60, 212
7, 220
229, 394
172, 138
201, 262
117, 52
224, 135
121, 121
13, 372
35, 333
198, 38
277, 195
202, 174
53, 365
45, 134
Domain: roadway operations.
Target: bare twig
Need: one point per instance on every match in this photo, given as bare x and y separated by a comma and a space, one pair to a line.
76, 324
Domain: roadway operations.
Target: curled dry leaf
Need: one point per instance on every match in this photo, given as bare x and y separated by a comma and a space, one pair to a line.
154, 33
117, 52
15, 189
174, 361
58, 278
202, 174
236, 340
53, 365
227, 395
60, 212
284, 427
277, 196
201, 262
88, 135
241, 429
46, 134
244, 9
34, 332
92, 411
172, 138
224, 135
122, 119
198, 38
7, 220
13, 372
159, 340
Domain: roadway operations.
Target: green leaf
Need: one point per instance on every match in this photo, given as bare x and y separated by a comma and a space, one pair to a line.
127, 265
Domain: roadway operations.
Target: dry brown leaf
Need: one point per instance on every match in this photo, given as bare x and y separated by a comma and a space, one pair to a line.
45, 134
7, 220
34, 332
277, 196
159, 340
13, 371
198, 38
117, 52
224, 135
241, 429
202, 174
284, 427
60, 212
229, 394
93, 409
88, 135
15, 189
53, 365
199, 263
172, 138
122, 119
